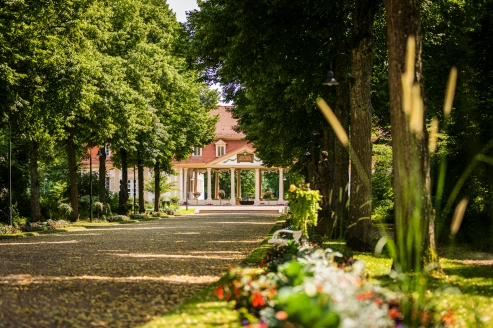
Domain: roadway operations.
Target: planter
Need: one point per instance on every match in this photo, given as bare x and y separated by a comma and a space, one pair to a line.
246, 202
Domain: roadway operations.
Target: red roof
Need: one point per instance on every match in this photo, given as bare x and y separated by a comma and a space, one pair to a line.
224, 128
209, 152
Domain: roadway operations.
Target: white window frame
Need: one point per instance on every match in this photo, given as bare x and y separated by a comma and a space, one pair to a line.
197, 152
107, 150
220, 148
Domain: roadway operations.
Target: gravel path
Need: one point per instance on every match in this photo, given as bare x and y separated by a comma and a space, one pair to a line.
123, 275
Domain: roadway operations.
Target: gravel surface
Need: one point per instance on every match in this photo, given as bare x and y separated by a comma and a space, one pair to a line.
120, 275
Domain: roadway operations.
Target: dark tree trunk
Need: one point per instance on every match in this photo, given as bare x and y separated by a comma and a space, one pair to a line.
33, 167
140, 167
358, 233
157, 189
102, 176
341, 155
123, 196
324, 177
72, 173
411, 168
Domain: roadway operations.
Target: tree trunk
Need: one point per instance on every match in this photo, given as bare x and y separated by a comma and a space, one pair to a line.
324, 177
102, 176
123, 196
358, 234
72, 173
33, 167
341, 155
411, 168
157, 189
140, 167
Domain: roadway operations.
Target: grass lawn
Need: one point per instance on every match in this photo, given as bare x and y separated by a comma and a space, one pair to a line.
464, 287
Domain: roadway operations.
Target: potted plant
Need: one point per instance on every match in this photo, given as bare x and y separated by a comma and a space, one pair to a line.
268, 196
304, 207
196, 195
221, 193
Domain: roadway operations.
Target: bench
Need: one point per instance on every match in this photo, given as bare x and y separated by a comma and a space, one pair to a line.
280, 241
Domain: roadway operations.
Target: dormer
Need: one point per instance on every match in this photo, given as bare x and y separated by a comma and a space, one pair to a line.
220, 148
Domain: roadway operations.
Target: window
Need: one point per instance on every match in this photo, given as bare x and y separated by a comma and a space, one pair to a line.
130, 188
197, 151
107, 150
220, 148
107, 183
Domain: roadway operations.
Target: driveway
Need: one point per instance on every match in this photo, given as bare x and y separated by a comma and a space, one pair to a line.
120, 275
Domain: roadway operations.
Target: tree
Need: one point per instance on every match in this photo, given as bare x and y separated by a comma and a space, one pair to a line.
358, 234
271, 58
164, 187
411, 170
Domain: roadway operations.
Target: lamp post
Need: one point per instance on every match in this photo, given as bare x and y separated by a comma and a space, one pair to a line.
10, 175
90, 184
134, 189
330, 80
46, 180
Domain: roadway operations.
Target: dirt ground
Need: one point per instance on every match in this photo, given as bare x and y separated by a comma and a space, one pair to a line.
123, 275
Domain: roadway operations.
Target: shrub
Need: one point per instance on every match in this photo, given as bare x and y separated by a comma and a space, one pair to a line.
65, 210
117, 218
174, 199
140, 216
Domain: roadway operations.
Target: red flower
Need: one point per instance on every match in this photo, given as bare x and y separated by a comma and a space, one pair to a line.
378, 301
258, 300
393, 313
448, 318
219, 292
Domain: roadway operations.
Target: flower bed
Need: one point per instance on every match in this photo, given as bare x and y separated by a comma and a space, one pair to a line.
117, 218
311, 287
34, 226
139, 216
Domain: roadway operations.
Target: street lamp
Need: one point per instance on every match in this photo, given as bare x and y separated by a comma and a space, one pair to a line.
330, 80
46, 180
10, 175
134, 189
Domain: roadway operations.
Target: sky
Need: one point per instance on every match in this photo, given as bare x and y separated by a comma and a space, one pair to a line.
179, 7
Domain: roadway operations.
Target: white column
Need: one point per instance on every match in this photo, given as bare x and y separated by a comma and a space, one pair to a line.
180, 182
233, 197
281, 186
209, 181
185, 180
257, 185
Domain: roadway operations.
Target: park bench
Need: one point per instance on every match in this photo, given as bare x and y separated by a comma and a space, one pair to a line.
276, 240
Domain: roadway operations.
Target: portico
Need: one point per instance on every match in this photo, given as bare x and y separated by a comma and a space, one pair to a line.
204, 179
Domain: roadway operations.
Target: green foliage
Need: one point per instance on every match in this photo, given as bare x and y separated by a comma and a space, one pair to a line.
304, 207
65, 210
382, 192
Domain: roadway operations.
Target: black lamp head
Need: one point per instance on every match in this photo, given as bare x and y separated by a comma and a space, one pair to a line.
330, 79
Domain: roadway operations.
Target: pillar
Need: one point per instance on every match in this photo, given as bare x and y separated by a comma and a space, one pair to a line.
195, 180
257, 192
281, 186
260, 185
233, 186
185, 183
180, 182
216, 186
209, 187
238, 183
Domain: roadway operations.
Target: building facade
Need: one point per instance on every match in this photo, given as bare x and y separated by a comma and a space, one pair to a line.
197, 178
